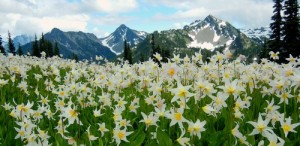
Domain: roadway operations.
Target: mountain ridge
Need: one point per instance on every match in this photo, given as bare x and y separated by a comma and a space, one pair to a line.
115, 41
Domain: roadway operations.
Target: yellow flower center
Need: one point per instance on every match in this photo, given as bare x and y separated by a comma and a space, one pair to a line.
218, 101
120, 103
101, 128
284, 95
289, 73
121, 135
148, 122
286, 128
131, 107
22, 133
272, 143
200, 86
178, 116
182, 92
230, 90
279, 86
44, 100
72, 113
62, 93
196, 129
261, 127
61, 103
171, 71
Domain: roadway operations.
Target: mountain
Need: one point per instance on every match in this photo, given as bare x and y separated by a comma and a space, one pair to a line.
115, 41
257, 34
210, 34
84, 45
22, 40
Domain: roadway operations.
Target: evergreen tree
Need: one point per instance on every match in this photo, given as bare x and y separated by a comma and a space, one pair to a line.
20, 52
276, 27
2, 50
166, 54
11, 46
127, 53
48, 48
153, 48
291, 32
74, 57
142, 57
35, 48
42, 44
56, 49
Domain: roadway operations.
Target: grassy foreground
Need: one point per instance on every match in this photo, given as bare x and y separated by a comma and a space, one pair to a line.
52, 101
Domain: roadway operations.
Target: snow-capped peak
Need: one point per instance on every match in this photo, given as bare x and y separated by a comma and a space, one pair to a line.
115, 41
257, 32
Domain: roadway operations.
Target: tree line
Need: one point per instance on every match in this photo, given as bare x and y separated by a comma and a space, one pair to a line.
38, 46
11, 46
285, 36
155, 49
43, 45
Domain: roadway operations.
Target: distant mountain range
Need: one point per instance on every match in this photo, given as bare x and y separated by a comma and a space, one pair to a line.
210, 33
115, 41
84, 45
258, 34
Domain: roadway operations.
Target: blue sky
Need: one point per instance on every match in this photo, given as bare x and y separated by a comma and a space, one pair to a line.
102, 17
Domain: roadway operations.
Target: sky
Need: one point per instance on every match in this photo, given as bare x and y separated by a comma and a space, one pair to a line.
102, 17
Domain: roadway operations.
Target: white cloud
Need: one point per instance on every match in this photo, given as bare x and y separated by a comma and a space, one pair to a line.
111, 6
245, 13
179, 25
36, 16
111, 20
99, 32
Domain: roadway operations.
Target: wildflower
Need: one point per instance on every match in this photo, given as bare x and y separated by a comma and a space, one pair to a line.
102, 128
158, 57
220, 100
132, 107
21, 133
208, 109
271, 108
90, 136
176, 116
120, 135
3, 82
71, 114
287, 126
176, 58
261, 126
97, 113
196, 128
273, 55
231, 88
149, 120
7, 106
237, 134
284, 97
183, 140
291, 59
42, 134
274, 140
181, 92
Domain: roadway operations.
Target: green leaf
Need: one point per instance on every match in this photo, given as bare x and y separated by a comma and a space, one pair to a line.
100, 142
163, 138
138, 137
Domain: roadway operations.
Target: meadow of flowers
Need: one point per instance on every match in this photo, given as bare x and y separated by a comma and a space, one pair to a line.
53, 101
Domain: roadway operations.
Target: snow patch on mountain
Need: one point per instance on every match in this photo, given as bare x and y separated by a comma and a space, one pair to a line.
257, 32
115, 41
